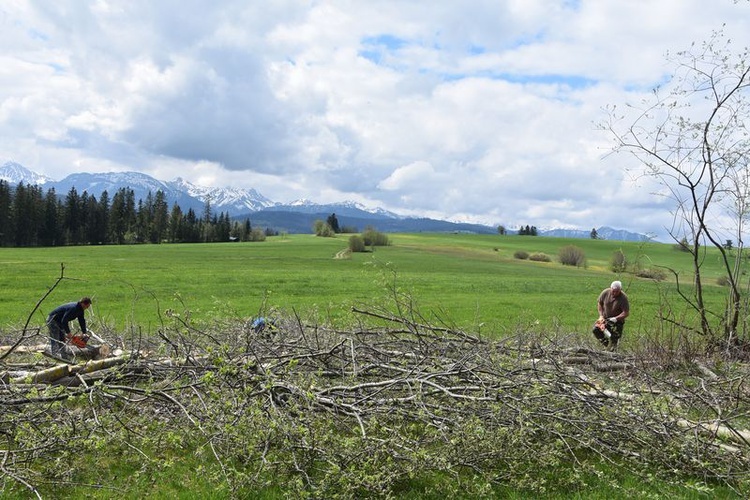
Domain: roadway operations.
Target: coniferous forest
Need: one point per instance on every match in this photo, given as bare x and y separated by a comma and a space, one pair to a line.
30, 217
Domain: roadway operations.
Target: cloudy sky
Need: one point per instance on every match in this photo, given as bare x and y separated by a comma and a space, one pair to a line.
477, 110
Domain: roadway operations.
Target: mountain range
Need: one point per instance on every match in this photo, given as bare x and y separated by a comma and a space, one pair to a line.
296, 217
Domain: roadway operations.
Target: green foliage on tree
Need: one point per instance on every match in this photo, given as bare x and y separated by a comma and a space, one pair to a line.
334, 223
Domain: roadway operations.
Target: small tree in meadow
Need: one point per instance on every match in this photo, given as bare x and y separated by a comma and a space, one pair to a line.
618, 263
334, 223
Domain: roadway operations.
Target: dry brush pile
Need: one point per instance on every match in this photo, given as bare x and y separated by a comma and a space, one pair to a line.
369, 409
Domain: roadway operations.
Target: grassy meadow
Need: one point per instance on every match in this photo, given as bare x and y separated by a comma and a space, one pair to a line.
473, 281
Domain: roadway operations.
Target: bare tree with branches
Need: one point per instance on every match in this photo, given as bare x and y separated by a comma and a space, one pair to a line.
692, 138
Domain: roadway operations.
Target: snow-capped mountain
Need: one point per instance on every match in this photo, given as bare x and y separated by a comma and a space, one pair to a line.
232, 200
15, 173
351, 208
111, 182
140, 184
297, 216
604, 233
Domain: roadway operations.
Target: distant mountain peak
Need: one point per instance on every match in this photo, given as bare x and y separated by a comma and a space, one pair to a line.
232, 199
302, 202
15, 173
248, 202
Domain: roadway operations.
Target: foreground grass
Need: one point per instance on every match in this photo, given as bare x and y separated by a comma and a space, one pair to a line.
470, 280
179, 481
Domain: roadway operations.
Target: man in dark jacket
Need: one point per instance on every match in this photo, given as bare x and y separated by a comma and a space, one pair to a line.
613, 307
58, 320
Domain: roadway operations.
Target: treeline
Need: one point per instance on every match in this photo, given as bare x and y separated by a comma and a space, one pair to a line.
30, 217
527, 231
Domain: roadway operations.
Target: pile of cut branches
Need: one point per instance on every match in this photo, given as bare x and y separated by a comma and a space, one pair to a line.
364, 410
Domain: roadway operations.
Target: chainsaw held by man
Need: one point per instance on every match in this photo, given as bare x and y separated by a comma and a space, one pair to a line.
605, 331
78, 348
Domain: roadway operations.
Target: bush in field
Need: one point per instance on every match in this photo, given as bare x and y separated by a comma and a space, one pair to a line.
322, 228
683, 245
257, 234
653, 274
520, 254
540, 257
618, 263
374, 238
572, 255
357, 243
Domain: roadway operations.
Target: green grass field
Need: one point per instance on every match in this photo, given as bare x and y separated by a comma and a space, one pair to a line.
471, 280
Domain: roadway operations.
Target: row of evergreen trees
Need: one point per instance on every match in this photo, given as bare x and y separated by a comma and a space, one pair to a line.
31, 217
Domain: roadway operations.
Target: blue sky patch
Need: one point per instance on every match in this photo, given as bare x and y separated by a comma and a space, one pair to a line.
573, 81
375, 48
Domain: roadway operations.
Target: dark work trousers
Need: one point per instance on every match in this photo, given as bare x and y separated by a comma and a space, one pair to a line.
56, 336
615, 329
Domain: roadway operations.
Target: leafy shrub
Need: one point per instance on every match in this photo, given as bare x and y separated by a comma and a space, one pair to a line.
375, 238
357, 243
322, 228
649, 273
572, 255
520, 254
619, 263
722, 281
540, 257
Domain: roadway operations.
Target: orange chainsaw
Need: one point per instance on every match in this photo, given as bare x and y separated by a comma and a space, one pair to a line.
79, 340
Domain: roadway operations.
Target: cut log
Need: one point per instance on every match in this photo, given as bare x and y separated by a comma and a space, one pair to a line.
88, 352
23, 348
718, 430
98, 364
63, 370
44, 376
